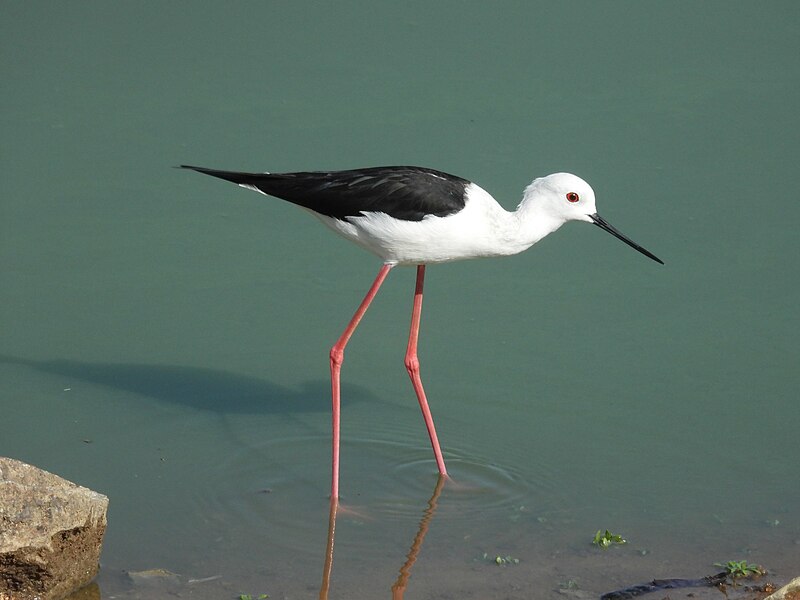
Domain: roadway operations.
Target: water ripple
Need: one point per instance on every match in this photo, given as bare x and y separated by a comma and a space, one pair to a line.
263, 491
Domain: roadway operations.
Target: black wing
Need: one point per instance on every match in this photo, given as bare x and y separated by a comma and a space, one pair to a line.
407, 193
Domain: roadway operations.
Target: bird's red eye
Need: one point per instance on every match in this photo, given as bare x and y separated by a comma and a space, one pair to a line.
572, 197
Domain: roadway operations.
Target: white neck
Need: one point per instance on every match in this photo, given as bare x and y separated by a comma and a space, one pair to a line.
534, 223
516, 231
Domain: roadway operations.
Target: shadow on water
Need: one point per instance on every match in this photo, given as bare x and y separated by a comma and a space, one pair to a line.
200, 388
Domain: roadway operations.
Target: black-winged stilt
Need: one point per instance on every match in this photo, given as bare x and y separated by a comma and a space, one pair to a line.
418, 216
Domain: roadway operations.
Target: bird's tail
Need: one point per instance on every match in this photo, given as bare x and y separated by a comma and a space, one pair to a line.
236, 177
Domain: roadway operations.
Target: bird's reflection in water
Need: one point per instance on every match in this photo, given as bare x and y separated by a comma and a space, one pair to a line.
326, 570
399, 587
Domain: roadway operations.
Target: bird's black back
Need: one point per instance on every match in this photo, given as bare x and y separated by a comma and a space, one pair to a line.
407, 193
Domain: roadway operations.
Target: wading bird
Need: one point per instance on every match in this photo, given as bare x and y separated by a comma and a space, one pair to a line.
419, 216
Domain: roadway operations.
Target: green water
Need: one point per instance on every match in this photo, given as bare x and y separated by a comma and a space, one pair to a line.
164, 336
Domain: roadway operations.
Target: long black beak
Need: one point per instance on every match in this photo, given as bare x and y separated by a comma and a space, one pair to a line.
603, 224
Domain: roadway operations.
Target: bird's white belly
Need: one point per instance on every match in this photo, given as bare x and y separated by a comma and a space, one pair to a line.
477, 230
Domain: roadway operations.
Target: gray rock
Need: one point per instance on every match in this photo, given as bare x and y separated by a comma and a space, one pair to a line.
51, 532
790, 591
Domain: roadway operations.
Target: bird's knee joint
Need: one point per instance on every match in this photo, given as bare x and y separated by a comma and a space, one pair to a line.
412, 364
337, 356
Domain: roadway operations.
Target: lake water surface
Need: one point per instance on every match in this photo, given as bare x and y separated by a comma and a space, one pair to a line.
164, 336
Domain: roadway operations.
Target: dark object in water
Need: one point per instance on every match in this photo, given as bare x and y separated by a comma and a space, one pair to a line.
665, 584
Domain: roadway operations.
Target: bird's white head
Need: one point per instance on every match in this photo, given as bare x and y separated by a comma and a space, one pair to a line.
551, 201
562, 197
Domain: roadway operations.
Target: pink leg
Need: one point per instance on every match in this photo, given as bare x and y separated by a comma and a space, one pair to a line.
412, 365
337, 357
